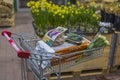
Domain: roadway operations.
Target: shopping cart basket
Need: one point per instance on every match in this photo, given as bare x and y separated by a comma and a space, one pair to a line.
25, 44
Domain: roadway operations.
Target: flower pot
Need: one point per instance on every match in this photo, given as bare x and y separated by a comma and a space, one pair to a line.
36, 29
39, 32
117, 23
86, 30
109, 17
103, 13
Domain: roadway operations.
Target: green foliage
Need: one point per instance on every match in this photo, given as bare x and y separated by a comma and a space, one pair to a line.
48, 14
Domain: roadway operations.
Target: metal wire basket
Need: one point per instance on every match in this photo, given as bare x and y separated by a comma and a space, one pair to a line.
32, 59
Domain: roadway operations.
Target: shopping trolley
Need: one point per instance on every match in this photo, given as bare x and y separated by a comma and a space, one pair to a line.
32, 60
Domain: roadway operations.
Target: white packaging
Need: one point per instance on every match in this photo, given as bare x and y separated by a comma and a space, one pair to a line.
43, 48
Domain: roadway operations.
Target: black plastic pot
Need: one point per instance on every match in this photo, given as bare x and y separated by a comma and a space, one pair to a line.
109, 17
86, 30
41, 32
36, 29
103, 13
117, 23
112, 18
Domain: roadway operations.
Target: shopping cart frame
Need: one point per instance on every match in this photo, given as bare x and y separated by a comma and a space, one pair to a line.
26, 52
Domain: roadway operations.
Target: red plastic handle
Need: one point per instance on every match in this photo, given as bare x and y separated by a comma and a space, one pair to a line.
21, 54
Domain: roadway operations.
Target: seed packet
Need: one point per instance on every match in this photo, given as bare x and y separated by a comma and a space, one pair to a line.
55, 37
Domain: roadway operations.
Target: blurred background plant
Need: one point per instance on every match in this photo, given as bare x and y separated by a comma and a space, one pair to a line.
113, 8
49, 14
110, 12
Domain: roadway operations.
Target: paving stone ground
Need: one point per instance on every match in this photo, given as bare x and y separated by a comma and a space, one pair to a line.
10, 67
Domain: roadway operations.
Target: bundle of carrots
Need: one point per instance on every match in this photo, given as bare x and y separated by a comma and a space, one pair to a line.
70, 50
73, 48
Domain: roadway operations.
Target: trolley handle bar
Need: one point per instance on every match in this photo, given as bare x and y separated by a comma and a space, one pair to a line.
20, 53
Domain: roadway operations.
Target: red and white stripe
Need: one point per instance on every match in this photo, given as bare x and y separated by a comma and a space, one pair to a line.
21, 54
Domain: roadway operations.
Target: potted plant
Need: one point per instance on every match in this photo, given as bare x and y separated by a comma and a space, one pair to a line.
47, 15
109, 16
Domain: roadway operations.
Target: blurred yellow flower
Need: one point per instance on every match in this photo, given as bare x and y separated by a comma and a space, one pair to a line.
33, 7
68, 3
62, 16
82, 7
92, 3
66, 12
76, 12
28, 4
94, 15
46, 12
36, 10
78, 3
72, 11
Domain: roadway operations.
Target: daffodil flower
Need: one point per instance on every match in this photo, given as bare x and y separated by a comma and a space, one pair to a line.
46, 13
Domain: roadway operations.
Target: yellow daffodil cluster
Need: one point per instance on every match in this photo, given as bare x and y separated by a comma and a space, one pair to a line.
48, 14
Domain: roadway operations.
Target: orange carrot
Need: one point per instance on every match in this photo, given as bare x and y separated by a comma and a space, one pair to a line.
73, 48
69, 50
